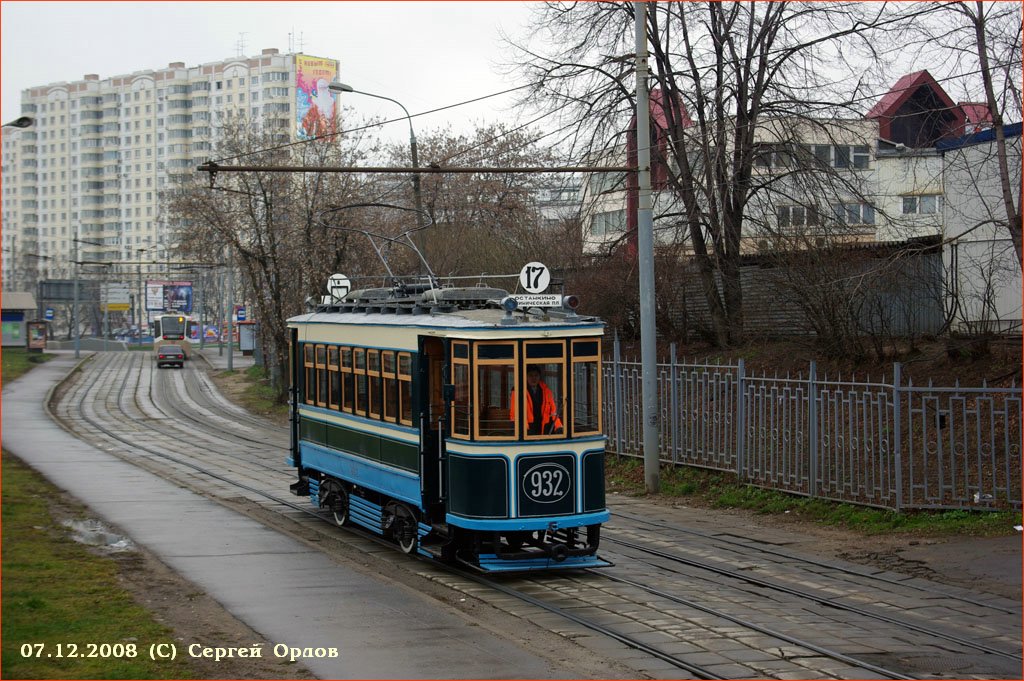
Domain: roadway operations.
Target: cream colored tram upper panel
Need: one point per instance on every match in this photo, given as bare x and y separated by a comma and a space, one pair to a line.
401, 331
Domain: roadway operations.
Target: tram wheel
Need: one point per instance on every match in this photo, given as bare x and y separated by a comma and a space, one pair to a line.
336, 499
405, 529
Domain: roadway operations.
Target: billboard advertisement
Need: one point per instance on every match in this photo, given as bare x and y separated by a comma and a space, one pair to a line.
169, 296
314, 104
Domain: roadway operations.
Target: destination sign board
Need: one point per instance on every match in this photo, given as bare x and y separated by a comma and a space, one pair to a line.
538, 300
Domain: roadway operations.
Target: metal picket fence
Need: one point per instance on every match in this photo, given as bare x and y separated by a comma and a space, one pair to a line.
884, 444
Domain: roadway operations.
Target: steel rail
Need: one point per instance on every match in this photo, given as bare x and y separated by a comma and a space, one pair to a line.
810, 561
817, 599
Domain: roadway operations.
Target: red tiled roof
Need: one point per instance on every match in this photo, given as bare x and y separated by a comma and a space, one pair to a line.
904, 88
976, 112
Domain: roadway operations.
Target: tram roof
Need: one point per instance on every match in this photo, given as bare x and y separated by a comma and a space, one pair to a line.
458, 319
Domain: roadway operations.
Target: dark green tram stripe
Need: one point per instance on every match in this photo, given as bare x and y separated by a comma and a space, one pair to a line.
358, 443
478, 486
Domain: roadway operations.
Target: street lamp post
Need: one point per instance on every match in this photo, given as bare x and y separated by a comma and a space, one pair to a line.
417, 195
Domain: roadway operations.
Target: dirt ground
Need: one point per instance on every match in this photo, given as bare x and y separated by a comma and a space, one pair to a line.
985, 564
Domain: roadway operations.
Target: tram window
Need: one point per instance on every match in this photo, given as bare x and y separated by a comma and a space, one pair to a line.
373, 380
548, 418
460, 379
460, 406
310, 373
405, 388
291, 363
359, 356
347, 380
586, 387
495, 385
486, 351
334, 378
387, 372
321, 376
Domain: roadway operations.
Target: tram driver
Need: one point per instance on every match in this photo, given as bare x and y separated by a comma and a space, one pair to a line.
541, 410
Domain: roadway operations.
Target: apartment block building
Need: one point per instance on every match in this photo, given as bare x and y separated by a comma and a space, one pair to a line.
85, 181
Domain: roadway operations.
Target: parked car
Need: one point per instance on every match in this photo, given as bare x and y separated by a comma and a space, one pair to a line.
170, 355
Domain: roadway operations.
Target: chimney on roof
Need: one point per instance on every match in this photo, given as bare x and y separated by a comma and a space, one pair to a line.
270, 50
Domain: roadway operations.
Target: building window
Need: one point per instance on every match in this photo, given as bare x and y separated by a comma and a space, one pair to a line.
612, 222
927, 204
856, 157
797, 216
606, 182
853, 213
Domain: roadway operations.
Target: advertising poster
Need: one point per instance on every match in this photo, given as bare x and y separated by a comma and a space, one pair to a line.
169, 296
155, 296
36, 335
314, 105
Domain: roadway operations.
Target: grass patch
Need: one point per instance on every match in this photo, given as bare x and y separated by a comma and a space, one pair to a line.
258, 396
17, 361
56, 592
714, 489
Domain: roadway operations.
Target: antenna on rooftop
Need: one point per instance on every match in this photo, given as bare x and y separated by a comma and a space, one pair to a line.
240, 45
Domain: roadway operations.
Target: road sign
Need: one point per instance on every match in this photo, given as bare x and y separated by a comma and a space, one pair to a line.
240, 313
338, 286
48, 314
116, 297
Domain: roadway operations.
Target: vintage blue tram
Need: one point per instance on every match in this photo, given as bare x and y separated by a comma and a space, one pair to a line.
411, 417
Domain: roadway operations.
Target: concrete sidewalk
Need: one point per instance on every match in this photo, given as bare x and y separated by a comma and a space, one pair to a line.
218, 357
284, 590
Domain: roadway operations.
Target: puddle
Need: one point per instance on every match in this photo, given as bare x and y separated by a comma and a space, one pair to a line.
94, 533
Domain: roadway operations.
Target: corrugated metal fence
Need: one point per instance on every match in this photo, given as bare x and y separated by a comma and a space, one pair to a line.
885, 444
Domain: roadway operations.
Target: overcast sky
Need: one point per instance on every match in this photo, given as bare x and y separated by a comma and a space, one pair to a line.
426, 55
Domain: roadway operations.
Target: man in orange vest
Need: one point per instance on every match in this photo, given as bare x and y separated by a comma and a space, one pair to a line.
541, 410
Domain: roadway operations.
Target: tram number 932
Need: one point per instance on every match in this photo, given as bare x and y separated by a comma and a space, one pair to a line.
546, 483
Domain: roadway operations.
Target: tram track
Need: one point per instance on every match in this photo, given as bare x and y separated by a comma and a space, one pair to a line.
167, 403
831, 602
856, 571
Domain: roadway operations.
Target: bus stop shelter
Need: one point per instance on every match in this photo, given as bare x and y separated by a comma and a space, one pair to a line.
16, 308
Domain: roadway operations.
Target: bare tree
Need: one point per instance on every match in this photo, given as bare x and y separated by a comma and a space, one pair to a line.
981, 45
272, 225
482, 222
735, 78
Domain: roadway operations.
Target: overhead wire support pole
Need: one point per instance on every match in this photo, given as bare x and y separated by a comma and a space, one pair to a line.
645, 254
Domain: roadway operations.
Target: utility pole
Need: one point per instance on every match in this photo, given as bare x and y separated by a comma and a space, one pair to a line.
140, 298
645, 248
75, 325
231, 309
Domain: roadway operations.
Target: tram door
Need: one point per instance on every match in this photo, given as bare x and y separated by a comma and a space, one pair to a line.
432, 376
